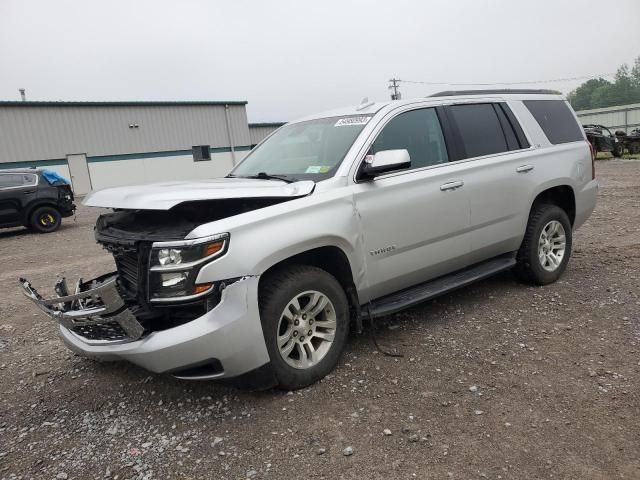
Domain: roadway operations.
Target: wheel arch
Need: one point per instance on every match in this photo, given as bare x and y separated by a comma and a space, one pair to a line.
561, 195
331, 259
35, 205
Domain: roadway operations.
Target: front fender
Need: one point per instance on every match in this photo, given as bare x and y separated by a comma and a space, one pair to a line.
290, 229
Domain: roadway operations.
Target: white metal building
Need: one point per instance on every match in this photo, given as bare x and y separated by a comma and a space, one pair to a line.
104, 144
622, 117
260, 131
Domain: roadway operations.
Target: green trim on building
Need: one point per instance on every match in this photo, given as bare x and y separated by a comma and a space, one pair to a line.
122, 156
35, 163
267, 124
136, 156
119, 103
168, 153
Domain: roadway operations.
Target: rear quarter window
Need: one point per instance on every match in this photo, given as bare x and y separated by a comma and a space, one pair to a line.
8, 180
556, 120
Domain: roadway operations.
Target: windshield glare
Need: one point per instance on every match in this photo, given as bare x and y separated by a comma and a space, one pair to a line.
310, 150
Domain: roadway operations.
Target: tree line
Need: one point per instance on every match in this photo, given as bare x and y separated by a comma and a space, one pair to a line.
599, 93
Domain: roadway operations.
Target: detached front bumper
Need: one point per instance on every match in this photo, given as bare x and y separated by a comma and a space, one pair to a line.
225, 342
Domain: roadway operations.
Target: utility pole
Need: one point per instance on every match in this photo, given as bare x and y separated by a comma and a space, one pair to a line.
394, 85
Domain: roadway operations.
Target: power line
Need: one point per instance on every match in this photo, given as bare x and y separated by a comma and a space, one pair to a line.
587, 77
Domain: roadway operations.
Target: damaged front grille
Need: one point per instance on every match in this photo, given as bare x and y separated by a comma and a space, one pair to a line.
95, 311
128, 265
132, 259
131, 264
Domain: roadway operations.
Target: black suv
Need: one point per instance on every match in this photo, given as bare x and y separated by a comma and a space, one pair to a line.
35, 198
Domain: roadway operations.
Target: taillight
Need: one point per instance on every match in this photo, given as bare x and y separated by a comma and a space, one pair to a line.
593, 160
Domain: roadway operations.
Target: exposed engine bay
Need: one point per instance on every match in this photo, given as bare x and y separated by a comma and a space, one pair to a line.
176, 223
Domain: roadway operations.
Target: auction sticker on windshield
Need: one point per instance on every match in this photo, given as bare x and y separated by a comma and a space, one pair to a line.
317, 169
348, 121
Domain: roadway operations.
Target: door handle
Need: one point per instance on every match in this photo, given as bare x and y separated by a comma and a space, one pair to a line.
524, 168
451, 185
27, 192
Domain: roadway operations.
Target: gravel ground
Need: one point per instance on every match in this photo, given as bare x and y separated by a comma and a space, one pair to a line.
499, 380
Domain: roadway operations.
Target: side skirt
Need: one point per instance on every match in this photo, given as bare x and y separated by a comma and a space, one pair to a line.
434, 288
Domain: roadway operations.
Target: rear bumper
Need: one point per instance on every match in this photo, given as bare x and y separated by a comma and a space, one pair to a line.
67, 209
230, 334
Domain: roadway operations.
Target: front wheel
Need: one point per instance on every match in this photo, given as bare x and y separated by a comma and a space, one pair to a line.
546, 247
45, 219
305, 320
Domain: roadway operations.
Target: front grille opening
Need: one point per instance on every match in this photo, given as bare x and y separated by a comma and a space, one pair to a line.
207, 368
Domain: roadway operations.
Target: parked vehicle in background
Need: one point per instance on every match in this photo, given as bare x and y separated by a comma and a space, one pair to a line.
630, 142
35, 198
603, 140
334, 219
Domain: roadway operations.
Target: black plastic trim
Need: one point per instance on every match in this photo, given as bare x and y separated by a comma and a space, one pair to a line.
515, 124
434, 288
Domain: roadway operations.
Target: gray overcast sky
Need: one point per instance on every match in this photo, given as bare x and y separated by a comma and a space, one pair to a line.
290, 58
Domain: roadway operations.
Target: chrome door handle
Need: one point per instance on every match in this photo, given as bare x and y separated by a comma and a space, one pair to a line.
451, 185
524, 168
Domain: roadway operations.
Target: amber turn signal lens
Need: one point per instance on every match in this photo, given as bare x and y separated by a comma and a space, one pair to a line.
203, 287
212, 248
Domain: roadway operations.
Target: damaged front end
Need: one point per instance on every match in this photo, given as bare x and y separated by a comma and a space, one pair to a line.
95, 312
154, 286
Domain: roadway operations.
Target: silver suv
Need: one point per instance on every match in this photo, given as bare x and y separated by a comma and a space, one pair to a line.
333, 219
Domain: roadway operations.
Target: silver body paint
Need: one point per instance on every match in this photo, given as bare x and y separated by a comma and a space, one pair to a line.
397, 230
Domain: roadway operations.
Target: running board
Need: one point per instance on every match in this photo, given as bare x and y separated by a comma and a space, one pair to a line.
428, 290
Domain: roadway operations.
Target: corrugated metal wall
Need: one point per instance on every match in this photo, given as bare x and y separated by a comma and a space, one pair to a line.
30, 132
623, 117
259, 131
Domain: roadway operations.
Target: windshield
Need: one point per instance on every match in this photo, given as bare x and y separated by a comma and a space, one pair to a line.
310, 150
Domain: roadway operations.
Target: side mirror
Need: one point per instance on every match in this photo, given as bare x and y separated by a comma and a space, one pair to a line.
385, 161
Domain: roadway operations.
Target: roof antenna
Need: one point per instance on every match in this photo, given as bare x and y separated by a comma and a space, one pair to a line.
364, 103
23, 95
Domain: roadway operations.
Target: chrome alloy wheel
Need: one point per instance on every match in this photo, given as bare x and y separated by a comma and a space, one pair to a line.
306, 329
552, 245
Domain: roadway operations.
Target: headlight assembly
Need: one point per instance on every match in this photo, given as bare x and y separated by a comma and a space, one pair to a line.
174, 267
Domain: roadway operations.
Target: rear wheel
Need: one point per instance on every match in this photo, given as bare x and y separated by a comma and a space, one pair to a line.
305, 320
618, 150
45, 219
546, 247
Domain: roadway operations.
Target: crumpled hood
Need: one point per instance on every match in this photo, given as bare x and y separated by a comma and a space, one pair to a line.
165, 195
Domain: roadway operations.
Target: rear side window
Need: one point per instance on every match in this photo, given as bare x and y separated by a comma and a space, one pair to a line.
417, 131
556, 120
479, 128
17, 180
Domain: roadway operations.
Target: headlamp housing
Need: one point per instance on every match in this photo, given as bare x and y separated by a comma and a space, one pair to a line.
174, 267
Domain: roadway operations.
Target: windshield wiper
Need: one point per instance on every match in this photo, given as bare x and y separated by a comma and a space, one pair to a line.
266, 176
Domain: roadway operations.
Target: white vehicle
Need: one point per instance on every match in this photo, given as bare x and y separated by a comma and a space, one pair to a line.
335, 218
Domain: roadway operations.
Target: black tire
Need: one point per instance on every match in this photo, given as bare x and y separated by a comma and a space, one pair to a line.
45, 219
618, 151
277, 289
529, 267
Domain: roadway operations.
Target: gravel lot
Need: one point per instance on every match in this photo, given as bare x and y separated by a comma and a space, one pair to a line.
499, 380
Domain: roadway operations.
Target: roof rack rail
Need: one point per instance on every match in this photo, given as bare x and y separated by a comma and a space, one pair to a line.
451, 93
